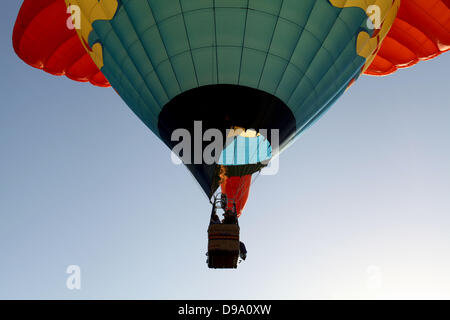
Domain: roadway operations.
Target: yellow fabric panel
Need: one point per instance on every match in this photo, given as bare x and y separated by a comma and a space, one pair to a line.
92, 10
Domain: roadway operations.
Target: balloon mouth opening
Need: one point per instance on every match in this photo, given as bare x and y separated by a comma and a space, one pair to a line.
223, 107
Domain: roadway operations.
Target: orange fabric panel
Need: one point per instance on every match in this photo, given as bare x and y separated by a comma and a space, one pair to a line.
237, 189
420, 32
41, 39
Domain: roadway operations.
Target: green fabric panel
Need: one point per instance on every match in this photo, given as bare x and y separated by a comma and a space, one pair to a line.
303, 52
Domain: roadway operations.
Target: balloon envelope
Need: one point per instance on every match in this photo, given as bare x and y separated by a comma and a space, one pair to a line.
252, 64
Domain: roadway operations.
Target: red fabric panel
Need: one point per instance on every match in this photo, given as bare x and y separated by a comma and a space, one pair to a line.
41, 39
237, 188
420, 32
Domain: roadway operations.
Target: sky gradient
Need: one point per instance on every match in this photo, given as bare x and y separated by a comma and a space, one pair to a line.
362, 197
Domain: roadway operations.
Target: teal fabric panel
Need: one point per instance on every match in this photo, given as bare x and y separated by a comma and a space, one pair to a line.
245, 150
303, 52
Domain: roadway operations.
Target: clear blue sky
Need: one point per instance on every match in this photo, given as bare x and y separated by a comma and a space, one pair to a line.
84, 182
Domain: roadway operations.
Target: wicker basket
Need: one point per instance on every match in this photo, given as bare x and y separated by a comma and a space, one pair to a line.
223, 246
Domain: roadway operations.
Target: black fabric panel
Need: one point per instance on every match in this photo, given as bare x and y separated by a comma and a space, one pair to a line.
223, 107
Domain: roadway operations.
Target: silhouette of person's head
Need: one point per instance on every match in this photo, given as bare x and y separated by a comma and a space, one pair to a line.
224, 201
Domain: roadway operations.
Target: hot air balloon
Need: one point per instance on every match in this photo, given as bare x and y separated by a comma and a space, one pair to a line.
245, 68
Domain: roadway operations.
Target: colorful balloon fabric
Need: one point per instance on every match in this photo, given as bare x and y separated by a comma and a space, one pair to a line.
250, 64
